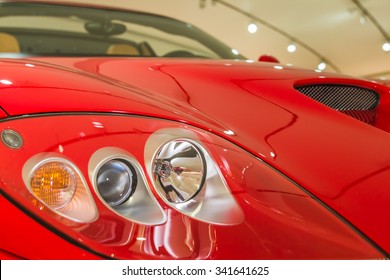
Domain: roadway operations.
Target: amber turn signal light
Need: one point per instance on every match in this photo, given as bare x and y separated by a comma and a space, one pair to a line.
54, 183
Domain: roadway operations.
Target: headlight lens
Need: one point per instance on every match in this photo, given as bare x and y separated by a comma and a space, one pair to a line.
116, 182
187, 178
54, 183
179, 169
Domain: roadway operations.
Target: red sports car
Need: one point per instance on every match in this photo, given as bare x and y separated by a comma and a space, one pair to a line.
129, 135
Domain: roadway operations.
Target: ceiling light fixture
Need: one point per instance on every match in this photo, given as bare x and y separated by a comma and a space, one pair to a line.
386, 46
252, 27
291, 48
322, 66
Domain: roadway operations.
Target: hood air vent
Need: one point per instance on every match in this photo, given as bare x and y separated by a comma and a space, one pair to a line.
359, 103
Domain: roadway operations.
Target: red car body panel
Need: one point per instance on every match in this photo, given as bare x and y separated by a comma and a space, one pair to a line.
343, 162
25, 237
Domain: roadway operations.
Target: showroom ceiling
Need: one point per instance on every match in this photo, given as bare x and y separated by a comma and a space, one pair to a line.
335, 31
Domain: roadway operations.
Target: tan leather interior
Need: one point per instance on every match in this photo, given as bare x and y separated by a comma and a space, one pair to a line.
122, 49
9, 43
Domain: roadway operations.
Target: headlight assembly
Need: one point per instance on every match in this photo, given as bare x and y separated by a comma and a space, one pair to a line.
138, 187
119, 182
187, 178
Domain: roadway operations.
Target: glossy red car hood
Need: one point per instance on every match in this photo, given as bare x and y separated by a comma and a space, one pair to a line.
342, 161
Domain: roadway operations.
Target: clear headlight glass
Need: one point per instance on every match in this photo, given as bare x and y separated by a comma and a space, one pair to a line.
180, 170
187, 178
116, 182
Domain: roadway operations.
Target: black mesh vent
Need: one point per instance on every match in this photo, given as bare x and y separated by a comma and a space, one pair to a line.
367, 116
341, 97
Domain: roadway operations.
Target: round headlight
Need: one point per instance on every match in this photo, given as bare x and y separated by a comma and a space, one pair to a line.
54, 183
116, 182
179, 171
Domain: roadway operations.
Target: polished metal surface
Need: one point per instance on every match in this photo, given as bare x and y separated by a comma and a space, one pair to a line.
180, 170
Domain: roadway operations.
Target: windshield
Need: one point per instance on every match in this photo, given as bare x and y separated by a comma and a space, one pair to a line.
58, 30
